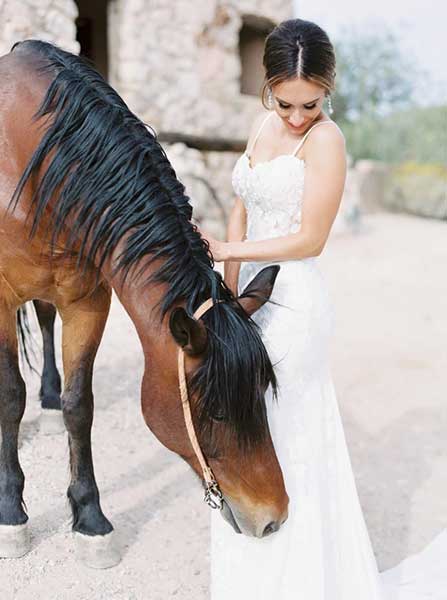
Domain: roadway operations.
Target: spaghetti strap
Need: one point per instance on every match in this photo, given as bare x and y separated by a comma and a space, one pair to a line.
301, 142
249, 151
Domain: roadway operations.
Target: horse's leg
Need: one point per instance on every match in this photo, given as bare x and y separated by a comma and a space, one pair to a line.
50, 389
13, 519
82, 327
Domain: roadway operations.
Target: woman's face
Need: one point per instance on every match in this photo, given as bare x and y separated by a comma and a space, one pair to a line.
298, 102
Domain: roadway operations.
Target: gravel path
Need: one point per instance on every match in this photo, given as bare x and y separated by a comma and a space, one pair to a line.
389, 364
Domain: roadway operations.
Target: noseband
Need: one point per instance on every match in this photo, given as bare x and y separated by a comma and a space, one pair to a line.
213, 495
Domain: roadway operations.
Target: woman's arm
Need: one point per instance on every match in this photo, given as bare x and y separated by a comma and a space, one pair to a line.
323, 189
237, 224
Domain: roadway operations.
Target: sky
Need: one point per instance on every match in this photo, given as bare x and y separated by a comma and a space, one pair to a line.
421, 27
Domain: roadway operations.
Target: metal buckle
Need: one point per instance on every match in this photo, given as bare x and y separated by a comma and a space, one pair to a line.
213, 495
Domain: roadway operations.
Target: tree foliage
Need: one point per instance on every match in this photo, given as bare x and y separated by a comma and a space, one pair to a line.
417, 134
374, 102
373, 76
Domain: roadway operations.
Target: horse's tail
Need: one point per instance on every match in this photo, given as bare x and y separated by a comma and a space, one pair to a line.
25, 338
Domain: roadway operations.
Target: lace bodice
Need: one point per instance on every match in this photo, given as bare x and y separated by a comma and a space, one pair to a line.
272, 191
272, 194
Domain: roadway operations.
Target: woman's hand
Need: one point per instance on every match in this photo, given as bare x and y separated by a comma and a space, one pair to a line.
218, 249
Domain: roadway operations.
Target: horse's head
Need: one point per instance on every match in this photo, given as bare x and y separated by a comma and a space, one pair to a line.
228, 372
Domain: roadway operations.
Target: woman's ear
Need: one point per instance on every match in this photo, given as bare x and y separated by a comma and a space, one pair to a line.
259, 290
189, 333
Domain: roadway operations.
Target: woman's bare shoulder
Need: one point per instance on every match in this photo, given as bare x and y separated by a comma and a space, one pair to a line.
330, 132
328, 138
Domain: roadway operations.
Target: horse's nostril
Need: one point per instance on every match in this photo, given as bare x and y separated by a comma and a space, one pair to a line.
270, 528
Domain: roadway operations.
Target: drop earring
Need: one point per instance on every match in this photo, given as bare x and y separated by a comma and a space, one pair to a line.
329, 105
270, 98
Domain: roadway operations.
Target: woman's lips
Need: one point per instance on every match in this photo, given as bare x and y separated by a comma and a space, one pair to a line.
294, 127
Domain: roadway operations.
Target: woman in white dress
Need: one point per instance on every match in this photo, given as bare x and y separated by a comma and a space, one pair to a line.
289, 185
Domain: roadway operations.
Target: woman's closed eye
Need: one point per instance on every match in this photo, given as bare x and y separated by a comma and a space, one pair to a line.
284, 106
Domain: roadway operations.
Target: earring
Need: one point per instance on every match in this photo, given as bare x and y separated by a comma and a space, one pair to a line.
329, 105
270, 98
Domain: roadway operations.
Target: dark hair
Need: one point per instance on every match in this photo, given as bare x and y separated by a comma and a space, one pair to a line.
298, 48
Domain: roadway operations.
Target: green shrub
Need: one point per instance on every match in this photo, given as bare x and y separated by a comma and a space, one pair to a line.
417, 135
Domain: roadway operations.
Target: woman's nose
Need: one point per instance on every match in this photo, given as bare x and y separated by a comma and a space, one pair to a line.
296, 119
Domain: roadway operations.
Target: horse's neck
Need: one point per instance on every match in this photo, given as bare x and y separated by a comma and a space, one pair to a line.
140, 300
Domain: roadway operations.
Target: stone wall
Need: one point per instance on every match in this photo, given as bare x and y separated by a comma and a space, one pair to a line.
207, 179
51, 20
177, 63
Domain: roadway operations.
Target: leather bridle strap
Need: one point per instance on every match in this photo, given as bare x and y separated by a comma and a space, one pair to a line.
213, 495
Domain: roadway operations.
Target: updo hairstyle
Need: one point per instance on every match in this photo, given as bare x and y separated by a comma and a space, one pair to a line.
297, 48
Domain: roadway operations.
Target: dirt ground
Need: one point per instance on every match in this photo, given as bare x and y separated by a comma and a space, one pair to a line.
389, 286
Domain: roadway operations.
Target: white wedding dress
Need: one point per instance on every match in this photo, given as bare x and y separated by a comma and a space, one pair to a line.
323, 551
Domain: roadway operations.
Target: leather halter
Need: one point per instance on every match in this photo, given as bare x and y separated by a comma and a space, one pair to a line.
213, 495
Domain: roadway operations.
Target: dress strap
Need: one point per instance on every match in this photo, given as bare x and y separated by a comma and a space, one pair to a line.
301, 142
249, 151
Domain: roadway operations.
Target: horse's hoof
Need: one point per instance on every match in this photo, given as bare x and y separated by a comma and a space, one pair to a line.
97, 551
51, 421
14, 541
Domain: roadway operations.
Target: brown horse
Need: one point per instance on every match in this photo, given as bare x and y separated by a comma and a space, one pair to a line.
90, 203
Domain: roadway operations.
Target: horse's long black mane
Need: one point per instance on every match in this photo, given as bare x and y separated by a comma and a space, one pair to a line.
108, 180
113, 182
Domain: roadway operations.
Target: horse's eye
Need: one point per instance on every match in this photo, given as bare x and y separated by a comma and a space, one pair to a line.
218, 415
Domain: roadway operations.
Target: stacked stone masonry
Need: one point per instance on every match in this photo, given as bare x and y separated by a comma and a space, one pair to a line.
51, 20
177, 63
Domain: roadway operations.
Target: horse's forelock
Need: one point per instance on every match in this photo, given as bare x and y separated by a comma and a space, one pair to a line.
230, 384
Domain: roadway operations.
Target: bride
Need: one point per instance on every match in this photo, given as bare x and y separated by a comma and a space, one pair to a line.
289, 185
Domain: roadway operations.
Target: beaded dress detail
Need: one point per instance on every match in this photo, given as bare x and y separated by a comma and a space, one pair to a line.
323, 551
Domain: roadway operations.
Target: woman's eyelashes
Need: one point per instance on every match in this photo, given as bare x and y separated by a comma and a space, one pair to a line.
287, 106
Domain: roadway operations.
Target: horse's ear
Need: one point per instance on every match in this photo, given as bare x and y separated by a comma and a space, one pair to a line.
190, 334
259, 290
